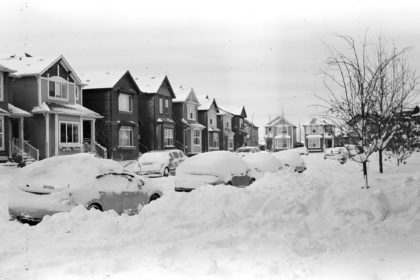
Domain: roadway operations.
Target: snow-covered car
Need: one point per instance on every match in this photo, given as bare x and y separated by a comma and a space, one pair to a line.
262, 162
60, 183
291, 159
337, 153
243, 151
161, 163
213, 168
302, 151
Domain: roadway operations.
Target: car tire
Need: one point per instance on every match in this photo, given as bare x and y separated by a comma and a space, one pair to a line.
154, 197
166, 172
95, 206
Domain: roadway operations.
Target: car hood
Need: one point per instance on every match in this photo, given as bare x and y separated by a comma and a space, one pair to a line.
193, 181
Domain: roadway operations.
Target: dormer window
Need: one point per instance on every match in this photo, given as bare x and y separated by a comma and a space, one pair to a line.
58, 88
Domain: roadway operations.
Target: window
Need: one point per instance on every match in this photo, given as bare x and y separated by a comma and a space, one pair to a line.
168, 139
69, 133
197, 137
230, 143
160, 105
76, 93
191, 111
125, 103
282, 143
314, 143
282, 129
166, 105
215, 140
211, 121
58, 88
1, 133
1, 86
125, 136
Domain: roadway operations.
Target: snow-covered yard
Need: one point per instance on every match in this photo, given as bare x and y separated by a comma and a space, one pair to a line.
316, 225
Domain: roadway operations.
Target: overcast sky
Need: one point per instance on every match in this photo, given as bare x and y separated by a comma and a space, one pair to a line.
265, 55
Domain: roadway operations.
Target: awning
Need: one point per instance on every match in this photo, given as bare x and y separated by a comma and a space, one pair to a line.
4, 112
197, 125
17, 112
282, 136
65, 109
329, 136
312, 136
212, 129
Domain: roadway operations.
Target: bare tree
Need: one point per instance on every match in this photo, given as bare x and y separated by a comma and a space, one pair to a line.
352, 81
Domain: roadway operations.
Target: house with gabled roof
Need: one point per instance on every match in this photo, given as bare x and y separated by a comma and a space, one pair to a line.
238, 125
11, 122
115, 96
51, 91
207, 116
157, 125
319, 134
251, 130
280, 134
188, 129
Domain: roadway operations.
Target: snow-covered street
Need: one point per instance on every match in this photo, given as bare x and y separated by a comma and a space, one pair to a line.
316, 225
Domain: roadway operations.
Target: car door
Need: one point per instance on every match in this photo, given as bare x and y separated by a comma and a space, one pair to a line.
133, 196
109, 197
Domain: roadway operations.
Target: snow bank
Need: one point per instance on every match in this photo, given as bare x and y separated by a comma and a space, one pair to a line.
262, 162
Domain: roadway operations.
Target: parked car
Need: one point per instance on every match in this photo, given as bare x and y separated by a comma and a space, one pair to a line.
243, 151
338, 153
213, 168
60, 183
302, 151
260, 163
291, 159
161, 163
298, 145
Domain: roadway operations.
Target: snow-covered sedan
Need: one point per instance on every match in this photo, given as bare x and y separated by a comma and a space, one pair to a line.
58, 184
160, 163
262, 162
212, 168
243, 151
337, 153
291, 159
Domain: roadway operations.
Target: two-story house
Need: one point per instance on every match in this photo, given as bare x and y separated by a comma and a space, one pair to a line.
224, 123
157, 126
207, 116
188, 130
11, 121
238, 126
50, 89
115, 96
319, 135
280, 134
252, 133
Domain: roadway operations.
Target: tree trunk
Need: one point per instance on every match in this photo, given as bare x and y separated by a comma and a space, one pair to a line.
381, 167
365, 175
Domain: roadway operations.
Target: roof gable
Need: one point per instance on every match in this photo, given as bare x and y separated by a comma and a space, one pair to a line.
279, 120
207, 103
236, 110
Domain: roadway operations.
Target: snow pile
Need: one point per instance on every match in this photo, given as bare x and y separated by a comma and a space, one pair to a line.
262, 162
290, 158
316, 225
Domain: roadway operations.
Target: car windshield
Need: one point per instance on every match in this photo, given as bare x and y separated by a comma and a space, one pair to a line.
153, 157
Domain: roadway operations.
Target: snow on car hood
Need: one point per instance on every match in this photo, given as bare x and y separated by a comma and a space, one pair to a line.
290, 158
222, 164
155, 158
262, 162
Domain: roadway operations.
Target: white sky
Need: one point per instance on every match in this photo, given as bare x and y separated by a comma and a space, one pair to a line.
265, 55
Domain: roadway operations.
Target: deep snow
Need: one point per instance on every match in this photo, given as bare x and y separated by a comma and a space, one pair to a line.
316, 225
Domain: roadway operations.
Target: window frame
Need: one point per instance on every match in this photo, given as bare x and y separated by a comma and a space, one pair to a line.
196, 137
131, 136
58, 85
314, 146
60, 135
160, 105
120, 103
2, 144
168, 138
2, 86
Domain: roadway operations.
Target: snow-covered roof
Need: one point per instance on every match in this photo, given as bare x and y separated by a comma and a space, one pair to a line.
236, 110
223, 112
4, 112
67, 109
319, 121
311, 136
181, 93
149, 84
205, 103
279, 120
5, 69
102, 79
27, 65
249, 123
282, 136
17, 112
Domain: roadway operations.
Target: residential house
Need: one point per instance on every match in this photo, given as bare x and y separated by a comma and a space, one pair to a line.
157, 125
280, 134
319, 135
207, 116
115, 96
252, 133
238, 126
226, 135
188, 131
50, 89
11, 121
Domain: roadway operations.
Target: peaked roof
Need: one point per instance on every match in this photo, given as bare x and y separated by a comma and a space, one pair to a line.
27, 65
319, 121
279, 120
97, 80
205, 103
236, 110
249, 123
151, 84
184, 94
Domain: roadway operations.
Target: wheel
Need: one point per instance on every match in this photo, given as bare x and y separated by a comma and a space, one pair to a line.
166, 172
154, 197
94, 206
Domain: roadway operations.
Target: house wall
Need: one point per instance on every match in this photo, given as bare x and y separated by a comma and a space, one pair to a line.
202, 119
179, 111
24, 92
147, 119
35, 133
4, 152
